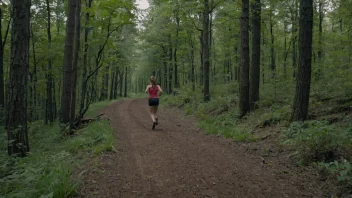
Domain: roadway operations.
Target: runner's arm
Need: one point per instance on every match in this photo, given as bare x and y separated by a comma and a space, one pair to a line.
146, 90
160, 90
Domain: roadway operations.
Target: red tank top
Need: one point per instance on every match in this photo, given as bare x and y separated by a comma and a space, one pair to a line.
153, 92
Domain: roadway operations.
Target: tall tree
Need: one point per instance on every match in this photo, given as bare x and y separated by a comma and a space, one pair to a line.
176, 13
255, 67
244, 67
2, 88
205, 50
67, 69
303, 78
294, 18
2, 47
49, 115
320, 42
76, 48
16, 119
85, 55
272, 39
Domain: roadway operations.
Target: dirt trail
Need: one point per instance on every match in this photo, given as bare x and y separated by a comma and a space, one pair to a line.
178, 160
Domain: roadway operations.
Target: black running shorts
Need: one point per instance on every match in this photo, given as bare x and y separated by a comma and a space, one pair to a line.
153, 101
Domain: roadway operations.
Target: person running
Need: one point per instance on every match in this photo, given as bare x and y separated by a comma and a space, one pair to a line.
154, 90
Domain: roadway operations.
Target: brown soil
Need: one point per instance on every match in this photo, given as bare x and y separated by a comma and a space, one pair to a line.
179, 160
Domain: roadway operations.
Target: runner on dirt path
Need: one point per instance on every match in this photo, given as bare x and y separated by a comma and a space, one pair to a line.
154, 90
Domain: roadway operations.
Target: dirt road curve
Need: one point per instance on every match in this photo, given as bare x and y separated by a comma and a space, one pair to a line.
178, 160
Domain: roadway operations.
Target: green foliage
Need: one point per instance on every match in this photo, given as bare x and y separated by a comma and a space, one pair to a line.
94, 108
317, 140
96, 138
47, 171
341, 170
217, 117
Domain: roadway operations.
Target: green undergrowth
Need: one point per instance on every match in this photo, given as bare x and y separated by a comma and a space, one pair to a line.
94, 108
325, 139
48, 169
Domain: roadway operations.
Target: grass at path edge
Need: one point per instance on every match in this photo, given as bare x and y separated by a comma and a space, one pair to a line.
49, 168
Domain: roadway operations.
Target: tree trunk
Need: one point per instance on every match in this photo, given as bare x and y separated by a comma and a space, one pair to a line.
16, 119
112, 84
192, 64
121, 81
201, 68
175, 51
205, 50
85, 57
125, 91
117, 81
273, 58
2, 82
170, 66
320, 42
165, 82
49, 83
255, 68
2, 88
294, 38
303, 78
67, 69
34, 112
105, 85
77, 45
244, 67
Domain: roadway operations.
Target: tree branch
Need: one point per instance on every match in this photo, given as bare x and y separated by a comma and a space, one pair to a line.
7, 32
214, 6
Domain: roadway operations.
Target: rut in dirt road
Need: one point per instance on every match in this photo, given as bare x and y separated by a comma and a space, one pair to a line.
178, 160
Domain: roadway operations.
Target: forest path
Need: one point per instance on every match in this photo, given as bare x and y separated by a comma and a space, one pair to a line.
178, 160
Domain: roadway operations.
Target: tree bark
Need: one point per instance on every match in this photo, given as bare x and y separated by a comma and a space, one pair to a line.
201, 68
49, 83
294, 37
105, 84
170, 66
244, 67
205, 50
2, 82
117, 81
273, 58
112, 84
192, 63
121, 81
85, 57
255, 68
77, 45
125, 91
303, 78
2, 88
320, 42
175, 50
16, 119
34, 112
67, 69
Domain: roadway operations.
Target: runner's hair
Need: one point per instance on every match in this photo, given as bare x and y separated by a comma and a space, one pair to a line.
153, 80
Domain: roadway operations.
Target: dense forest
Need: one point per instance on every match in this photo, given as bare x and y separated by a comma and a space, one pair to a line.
242, 65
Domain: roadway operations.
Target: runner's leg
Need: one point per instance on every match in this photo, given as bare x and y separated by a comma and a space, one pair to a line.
155, 114
152, 113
